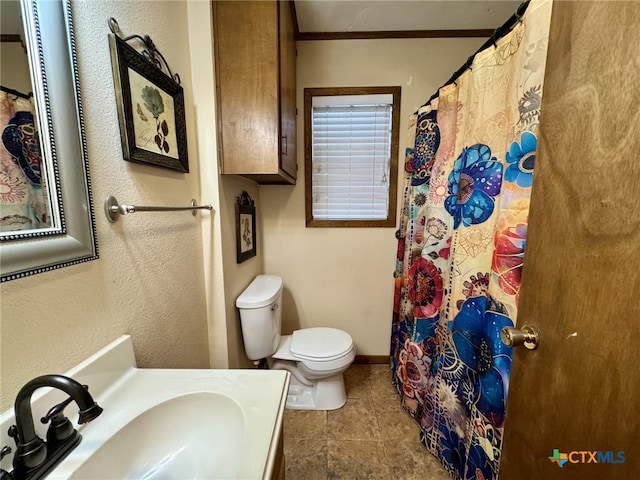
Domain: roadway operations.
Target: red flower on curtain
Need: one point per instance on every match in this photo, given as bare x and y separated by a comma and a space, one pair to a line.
413, 370
425, 288
508, 257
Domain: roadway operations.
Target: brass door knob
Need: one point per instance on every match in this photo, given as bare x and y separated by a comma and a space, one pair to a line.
529, 337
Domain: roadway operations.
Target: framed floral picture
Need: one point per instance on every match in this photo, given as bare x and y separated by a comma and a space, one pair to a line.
150, 109
245, 228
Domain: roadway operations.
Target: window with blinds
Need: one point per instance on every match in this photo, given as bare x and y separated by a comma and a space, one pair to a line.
351, 156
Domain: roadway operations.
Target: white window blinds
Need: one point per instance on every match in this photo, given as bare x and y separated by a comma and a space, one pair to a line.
351, 149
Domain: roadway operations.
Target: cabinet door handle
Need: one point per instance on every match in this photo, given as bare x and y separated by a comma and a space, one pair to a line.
286, 146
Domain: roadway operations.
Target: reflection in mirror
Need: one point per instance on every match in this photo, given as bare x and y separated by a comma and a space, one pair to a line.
24, 194
46, 214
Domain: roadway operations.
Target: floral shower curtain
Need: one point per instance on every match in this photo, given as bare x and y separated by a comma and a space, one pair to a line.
461, 247
24, 203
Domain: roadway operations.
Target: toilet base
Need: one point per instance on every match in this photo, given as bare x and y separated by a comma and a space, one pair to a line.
326, 394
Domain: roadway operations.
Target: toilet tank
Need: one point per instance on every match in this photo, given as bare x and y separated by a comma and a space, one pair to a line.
260, 306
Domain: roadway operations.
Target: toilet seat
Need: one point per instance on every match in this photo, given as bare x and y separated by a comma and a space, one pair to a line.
307, 345
320, 343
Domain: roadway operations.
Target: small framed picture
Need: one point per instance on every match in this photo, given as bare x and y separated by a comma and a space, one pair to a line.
150, 110
245, 228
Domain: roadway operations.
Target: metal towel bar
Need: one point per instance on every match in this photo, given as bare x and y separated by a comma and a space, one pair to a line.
113, 209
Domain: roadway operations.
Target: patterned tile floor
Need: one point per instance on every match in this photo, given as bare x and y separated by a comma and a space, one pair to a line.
371, 437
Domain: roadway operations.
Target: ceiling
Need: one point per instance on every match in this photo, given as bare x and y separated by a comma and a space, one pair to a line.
376, 16
401, 15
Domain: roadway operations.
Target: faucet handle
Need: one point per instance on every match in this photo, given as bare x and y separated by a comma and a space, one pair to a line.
5, 451
61, 427
56, 411
4, 475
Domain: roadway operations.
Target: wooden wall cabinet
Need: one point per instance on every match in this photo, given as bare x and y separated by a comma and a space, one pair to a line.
255, 62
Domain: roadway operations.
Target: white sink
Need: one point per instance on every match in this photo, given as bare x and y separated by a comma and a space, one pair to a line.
169, 424
189, 436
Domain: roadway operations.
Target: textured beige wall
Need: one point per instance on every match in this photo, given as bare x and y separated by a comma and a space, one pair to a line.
237, 276
342, 277
149, 280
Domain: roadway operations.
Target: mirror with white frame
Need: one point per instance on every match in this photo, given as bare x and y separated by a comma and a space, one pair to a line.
46, 214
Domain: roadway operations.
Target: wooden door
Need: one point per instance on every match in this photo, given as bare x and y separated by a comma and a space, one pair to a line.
288, 157
580, 391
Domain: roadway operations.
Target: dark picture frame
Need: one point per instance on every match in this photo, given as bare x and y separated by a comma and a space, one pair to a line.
245, 228
150, 110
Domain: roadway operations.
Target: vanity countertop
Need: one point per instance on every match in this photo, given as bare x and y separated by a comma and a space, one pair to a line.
195, 414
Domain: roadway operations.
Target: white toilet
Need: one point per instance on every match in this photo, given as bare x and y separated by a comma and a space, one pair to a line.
315, 357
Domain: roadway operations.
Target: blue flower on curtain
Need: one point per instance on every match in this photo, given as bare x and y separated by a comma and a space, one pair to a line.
476, 335
452, 450
521, 158
426, 328
476, 178
480, 468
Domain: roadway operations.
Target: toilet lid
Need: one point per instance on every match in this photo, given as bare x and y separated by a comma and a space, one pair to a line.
320, 342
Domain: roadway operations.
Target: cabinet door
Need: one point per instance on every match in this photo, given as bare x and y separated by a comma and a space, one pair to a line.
246, 51
287, 42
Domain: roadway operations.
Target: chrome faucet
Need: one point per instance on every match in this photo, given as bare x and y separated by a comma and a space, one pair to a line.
34, 457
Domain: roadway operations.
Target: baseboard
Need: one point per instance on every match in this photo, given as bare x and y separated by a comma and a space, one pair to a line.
371, 359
